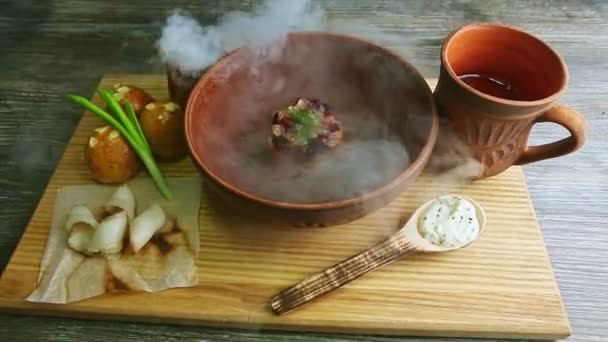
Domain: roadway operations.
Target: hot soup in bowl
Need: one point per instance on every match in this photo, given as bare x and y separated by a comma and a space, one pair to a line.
314, 130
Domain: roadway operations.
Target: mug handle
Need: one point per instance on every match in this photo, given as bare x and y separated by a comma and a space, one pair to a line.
570, 119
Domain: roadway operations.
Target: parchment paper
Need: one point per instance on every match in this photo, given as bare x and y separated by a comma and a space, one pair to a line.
167, 261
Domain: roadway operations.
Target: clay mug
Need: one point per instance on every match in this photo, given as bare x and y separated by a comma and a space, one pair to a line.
180, 84
495, 83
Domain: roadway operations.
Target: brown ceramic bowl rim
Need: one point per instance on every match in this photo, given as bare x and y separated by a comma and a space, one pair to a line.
548, 99
417, 164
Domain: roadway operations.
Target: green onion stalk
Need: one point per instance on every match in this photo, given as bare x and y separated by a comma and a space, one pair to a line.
128, 126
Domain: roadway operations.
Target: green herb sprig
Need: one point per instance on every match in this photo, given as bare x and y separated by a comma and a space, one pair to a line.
307, 123
129, 127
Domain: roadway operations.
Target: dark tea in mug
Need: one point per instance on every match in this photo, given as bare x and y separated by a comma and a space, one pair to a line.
491, 85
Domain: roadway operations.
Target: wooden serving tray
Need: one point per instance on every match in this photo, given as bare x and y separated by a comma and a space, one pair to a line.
500, 286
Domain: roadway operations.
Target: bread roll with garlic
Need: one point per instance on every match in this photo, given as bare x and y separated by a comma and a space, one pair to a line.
138, 97
109, 157
163, 126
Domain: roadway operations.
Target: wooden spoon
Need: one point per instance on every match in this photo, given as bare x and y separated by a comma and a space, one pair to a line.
404, 242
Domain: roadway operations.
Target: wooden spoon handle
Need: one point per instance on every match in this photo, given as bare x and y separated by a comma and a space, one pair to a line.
341, 274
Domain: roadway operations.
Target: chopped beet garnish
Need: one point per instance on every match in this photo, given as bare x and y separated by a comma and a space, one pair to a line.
306, 125
286, 122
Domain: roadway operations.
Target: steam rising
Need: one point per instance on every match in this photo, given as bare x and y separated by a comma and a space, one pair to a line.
451, 162
370, 158
270, 23
348, 171
186, 45
192, 48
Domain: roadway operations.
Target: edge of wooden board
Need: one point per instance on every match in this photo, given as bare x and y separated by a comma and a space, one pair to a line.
566, 320
50, 310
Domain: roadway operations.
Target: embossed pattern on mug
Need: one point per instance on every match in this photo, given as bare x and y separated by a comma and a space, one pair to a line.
496, 142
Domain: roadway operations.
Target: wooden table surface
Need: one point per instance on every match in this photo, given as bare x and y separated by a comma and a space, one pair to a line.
53, 47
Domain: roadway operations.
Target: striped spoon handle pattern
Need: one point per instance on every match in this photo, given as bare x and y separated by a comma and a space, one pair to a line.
340, 274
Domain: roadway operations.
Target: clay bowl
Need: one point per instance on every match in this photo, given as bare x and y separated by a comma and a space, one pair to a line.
243, 90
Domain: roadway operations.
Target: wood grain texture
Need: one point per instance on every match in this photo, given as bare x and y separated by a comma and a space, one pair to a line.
501, 286
53, 47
